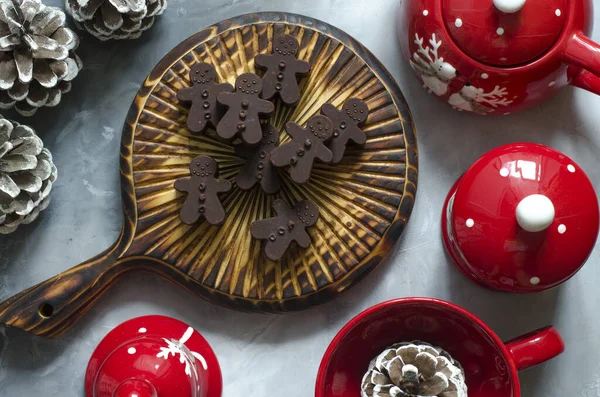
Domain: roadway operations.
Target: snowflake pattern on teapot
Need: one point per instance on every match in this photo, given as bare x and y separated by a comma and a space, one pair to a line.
437, 75
177, 347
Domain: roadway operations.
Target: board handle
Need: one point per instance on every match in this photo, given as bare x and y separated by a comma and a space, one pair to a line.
51, 307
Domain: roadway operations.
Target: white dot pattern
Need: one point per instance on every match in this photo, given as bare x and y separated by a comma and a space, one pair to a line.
535, 280
500, 31
562, 229
131, 350
470, 222
558, 13
504, 172
425, 12
458, 23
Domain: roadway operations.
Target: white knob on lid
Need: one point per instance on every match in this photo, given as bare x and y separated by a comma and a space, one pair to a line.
509, 6
535, 213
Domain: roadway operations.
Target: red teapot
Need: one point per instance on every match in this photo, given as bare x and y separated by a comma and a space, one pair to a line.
499, 56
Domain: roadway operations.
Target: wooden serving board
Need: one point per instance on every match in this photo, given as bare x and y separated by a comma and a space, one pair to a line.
365, 201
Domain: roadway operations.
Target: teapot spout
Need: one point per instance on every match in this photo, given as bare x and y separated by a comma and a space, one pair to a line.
135, 388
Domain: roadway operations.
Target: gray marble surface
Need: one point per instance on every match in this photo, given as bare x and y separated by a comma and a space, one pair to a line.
260, 354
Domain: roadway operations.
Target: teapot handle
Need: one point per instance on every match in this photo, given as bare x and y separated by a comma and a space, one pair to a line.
583, 55
582, 78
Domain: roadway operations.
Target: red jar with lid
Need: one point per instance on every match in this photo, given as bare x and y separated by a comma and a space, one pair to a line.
523, 218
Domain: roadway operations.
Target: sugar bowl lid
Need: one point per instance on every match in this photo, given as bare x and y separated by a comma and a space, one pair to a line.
505, 32
523, 218
153, 356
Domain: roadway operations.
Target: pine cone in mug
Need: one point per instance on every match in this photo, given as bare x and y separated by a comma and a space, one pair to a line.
26, 175
414, 369
37, 59
115, 19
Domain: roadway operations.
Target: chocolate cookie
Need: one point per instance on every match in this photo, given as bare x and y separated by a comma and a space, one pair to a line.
202, 190
258, 167
346, 123
288, 225
203, 96
306, 146
244, 108
282, 70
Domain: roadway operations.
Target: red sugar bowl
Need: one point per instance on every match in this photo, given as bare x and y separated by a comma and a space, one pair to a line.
491, 366
153, 356
523, 218
499, 56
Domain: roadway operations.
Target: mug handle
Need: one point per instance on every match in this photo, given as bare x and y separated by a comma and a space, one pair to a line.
583, 55
535, 348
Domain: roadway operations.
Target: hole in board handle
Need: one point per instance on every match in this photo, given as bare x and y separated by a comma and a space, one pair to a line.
46, 310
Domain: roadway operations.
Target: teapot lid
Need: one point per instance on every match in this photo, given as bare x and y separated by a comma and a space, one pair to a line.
505, 32
153, 356
523, 218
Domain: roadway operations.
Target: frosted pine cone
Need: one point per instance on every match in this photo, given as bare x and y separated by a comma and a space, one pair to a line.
414, 370
26, 175
37, 62
115, 19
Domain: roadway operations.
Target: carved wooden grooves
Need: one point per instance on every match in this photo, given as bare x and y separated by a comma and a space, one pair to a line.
365, 201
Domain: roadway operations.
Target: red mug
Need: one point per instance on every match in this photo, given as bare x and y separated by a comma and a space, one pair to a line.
491, 366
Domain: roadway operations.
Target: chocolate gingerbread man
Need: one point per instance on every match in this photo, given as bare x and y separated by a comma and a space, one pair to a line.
203, 96
287, 226
202, 190
282, 70
244, 108
346, 124
258, 167
306, 146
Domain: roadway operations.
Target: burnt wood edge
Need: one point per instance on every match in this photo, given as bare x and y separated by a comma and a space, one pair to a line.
50, 308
